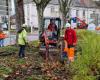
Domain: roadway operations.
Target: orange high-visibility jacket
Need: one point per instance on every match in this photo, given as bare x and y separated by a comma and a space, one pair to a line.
2, 36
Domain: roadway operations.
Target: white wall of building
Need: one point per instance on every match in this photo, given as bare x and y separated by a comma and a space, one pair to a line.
73, 13
31, 13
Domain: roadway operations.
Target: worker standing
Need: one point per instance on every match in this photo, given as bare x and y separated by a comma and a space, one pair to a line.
70, 40
22, 41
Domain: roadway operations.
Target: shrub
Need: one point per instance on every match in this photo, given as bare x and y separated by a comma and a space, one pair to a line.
87, 66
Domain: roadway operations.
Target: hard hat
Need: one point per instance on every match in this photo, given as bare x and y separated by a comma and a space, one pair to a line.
67, 25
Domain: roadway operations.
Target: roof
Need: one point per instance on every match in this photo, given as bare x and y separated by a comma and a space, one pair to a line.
84, 3
75, 3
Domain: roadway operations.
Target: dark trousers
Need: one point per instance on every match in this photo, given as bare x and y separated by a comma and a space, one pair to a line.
22, 51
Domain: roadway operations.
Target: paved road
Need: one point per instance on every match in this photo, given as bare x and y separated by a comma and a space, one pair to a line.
12, 39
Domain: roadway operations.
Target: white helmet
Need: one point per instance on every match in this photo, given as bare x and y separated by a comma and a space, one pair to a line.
67, 25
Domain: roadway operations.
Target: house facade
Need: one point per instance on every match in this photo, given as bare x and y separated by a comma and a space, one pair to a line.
86, 10
52, 10
6, 10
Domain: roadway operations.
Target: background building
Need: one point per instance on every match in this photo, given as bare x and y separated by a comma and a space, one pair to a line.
6, 10
52, 10
84, 9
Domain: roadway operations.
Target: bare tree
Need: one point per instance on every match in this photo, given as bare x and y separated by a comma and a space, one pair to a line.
64, 8
41, 4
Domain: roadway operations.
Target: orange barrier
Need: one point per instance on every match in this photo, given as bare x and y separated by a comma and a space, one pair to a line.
2, 36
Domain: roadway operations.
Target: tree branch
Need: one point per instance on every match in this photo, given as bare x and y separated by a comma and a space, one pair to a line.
46, 2
37, 1
41, 3
64, 8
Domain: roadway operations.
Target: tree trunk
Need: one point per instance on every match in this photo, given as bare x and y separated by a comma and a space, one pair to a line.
19, 13
41, 4
18, 24
40, 11
63, 19
19, 10
7, 11
64, 8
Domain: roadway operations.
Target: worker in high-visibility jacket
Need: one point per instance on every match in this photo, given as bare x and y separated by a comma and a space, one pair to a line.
2, 37
22, 41
70, 42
